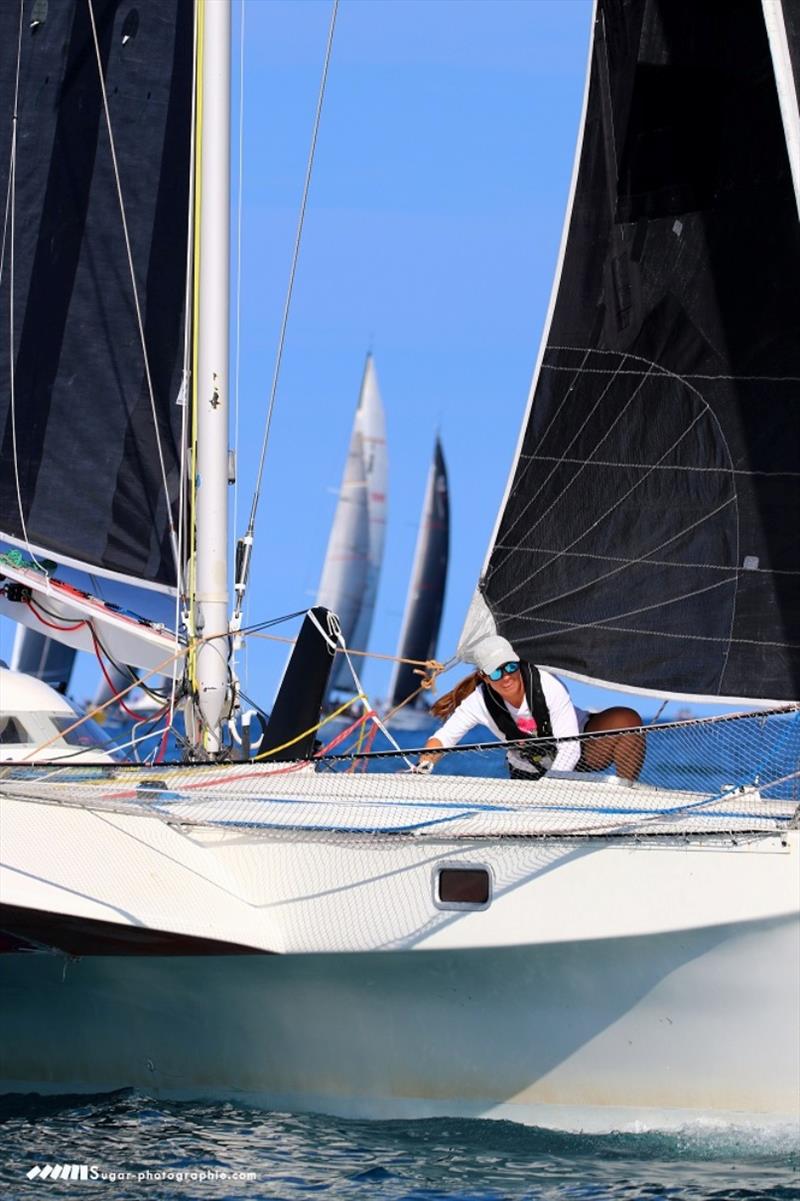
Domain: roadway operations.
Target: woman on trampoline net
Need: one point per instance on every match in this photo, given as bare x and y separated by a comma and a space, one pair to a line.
518, 700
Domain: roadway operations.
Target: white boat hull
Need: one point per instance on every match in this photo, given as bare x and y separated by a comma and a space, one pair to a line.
589, 1035
609, 981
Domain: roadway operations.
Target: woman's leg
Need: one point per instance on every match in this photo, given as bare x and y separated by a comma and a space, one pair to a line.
625, 753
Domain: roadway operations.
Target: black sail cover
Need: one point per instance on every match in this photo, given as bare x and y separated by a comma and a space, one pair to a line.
423, 615
651, 533
87, 459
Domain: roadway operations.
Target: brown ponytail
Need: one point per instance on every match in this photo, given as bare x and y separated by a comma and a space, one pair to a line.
448, 703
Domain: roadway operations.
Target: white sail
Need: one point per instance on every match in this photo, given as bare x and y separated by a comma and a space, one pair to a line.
353, 560
344, 573
372, 423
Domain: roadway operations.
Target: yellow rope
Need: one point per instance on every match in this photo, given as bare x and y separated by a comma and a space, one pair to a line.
313, 729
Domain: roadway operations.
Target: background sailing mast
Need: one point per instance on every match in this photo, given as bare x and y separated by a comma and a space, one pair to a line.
425, 601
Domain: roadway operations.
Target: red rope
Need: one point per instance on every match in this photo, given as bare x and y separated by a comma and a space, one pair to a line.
162, 746
339, 739
52, 624
368, 744
137, 717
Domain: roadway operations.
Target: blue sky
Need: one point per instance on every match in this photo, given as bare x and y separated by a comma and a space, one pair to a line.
432, 234
431, 237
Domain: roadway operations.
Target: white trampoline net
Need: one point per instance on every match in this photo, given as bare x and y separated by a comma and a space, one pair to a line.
727, 775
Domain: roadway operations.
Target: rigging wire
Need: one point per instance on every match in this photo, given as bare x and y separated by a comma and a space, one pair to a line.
136, 302
246, 543
117, 696
130, 674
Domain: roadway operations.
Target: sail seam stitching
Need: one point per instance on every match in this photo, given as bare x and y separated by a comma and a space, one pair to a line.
576, 476
600, 624
705, 409
667, 374
657, 466
646, 561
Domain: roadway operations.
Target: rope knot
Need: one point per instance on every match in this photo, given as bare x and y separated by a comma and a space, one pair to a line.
428, 673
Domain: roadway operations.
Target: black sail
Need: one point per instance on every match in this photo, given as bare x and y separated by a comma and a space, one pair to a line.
651, 532
88, 478
423, 615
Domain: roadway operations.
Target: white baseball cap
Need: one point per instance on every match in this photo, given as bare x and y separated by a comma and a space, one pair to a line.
491, 653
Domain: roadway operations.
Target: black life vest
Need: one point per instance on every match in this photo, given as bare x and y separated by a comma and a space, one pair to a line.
534, 695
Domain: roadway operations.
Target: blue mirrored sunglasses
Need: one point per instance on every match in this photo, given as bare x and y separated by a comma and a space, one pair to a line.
507, 669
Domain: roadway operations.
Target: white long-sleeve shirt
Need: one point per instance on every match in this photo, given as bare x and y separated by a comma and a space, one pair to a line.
563, 718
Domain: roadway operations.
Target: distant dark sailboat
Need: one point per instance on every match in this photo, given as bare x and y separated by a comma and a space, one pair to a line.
425, 601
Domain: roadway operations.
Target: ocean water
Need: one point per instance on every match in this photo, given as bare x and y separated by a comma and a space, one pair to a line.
135, 1147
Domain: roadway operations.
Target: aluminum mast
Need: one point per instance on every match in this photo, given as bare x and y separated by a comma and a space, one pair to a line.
211, 581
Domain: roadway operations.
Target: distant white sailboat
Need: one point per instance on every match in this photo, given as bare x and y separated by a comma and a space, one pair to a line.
352, 565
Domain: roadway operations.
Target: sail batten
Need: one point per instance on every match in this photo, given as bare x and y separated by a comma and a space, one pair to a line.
648, 535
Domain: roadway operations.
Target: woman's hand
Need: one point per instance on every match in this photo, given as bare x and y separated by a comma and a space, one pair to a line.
426, 761
423, 768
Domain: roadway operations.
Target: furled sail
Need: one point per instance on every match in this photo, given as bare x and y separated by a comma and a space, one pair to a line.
648, 537
353, 560
425, 601
89, 468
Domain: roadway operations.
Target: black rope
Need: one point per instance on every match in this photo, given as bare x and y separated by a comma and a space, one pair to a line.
273, 621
